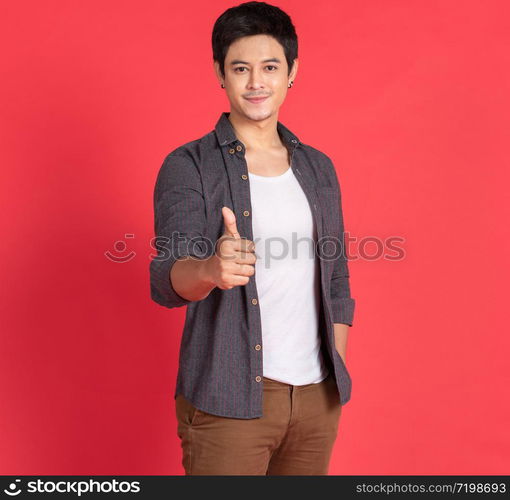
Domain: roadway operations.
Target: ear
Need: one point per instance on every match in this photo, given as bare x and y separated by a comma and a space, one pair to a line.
294, 69
217, 71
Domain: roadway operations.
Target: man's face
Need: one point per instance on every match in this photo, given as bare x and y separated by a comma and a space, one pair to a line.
255, 66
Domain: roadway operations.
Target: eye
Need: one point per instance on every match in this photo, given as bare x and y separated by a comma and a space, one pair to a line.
275, 67
239, 67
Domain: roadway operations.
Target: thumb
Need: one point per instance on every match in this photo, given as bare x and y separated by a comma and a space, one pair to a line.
229, 220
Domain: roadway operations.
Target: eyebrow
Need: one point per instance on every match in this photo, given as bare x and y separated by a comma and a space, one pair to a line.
272, 59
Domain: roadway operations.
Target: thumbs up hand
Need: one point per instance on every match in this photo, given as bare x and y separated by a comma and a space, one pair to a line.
234, 260
229, 223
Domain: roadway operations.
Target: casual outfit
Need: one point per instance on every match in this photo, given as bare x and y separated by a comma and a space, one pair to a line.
260, 384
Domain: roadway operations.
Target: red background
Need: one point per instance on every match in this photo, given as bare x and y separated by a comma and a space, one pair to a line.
409, 98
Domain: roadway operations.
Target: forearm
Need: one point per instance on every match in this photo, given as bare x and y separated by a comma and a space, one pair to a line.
190, 279
341, 333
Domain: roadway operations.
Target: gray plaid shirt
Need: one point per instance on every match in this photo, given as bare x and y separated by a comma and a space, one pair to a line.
220, 359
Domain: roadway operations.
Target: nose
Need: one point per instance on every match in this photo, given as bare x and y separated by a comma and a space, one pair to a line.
256, 80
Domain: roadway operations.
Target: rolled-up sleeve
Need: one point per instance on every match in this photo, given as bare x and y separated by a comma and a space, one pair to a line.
342, 303
179, 225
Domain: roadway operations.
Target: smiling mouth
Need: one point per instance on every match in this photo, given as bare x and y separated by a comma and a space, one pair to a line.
256, 100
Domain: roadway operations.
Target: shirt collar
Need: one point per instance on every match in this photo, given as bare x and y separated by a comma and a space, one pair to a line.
226, 135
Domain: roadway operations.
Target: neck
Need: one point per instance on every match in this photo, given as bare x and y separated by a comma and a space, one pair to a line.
256, 134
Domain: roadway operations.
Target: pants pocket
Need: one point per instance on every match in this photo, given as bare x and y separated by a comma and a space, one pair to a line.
186, 413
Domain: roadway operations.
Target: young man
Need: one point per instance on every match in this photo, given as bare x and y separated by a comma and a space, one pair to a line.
262, 375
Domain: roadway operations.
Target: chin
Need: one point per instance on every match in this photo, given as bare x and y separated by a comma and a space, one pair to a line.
257, 114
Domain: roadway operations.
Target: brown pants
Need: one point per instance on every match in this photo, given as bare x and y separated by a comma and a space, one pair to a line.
295, 435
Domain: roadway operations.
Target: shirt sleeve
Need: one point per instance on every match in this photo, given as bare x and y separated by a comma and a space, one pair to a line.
342, 303
179, 225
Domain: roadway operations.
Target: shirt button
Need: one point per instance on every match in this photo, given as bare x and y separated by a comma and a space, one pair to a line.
254, 302
246, 213
239, 147
258, 347
244, 177
231, 151
294, 140
258, 378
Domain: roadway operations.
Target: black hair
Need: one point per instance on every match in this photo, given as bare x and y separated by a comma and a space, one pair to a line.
253, 18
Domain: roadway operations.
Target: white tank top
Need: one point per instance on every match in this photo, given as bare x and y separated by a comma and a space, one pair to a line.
287, 275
